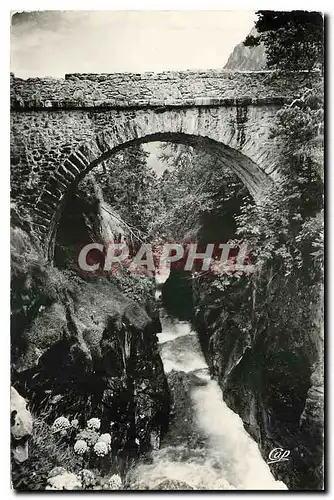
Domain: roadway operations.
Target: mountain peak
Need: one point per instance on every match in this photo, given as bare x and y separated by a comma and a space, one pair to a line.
244, 58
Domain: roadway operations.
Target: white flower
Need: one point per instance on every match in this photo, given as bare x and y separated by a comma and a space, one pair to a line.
114, 483
75, 423
101, 449
106, 438
60, 424
94, 423
88, 435
80, 447
87, 477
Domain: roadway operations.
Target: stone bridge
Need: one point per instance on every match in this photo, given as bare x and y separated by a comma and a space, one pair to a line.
62, 128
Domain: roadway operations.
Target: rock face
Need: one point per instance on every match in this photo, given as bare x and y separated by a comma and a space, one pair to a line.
270, 375
80, 347
96, 356
244, 58
177, 294
20, 426
170, 484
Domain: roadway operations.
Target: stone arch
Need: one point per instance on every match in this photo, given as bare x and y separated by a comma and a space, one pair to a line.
171, 127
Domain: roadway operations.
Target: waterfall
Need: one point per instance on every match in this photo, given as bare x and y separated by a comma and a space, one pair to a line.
112, 228
228, 458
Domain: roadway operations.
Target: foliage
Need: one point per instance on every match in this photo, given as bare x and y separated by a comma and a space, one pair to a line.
46, 451
194, 188
294, 40
141, 289
129, 186
277, 229
56, 463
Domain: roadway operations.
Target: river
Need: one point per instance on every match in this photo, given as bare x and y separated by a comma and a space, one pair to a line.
209, 449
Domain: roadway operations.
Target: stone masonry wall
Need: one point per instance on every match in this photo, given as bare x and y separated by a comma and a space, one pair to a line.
186, 88
44, 142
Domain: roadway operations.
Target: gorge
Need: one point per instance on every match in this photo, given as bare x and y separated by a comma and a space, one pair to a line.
95, 345
195, 378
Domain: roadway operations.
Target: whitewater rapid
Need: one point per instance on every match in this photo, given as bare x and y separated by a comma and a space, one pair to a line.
230, 459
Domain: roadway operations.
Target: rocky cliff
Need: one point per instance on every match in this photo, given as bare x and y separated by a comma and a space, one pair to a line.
244, 58
271, 374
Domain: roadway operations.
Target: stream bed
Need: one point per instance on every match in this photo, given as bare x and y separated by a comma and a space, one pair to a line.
206, 447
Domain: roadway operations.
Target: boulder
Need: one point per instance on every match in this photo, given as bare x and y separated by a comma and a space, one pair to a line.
20, 426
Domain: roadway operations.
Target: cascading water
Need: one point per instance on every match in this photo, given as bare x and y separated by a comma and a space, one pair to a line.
226, 458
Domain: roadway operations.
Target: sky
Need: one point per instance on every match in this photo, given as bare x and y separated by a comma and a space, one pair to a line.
52, 43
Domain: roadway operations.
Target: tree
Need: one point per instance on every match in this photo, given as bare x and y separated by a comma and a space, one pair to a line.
196, 190
130, 187
293, 40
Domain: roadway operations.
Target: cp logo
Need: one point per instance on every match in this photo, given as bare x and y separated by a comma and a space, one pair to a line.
278, 455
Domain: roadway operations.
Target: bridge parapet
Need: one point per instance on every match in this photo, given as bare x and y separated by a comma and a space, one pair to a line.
179, 89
